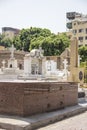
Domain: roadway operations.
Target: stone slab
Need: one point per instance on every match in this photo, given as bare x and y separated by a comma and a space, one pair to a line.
35, 121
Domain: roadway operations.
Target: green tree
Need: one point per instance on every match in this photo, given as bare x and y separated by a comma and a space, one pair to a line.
52, 45
83, 53
4, 41
23, 40
33, 37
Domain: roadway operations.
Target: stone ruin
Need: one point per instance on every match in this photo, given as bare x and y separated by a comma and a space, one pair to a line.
35, 67
27, 97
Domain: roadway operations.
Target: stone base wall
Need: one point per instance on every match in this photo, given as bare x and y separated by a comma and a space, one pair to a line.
25, 99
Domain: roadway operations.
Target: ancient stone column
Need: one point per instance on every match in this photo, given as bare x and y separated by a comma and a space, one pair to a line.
74, 53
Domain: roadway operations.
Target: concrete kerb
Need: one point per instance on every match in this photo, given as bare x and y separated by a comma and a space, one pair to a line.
35, 121
59, 115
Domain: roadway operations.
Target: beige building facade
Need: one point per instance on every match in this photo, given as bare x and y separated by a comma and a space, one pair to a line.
77, 27
10, 32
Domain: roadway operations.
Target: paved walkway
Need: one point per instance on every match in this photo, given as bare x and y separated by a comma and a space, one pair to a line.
78, 122
19, 123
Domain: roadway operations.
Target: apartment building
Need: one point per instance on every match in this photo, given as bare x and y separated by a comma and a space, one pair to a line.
10, 32
77, 27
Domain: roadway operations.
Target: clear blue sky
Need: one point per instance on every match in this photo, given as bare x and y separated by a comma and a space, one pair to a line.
49, 14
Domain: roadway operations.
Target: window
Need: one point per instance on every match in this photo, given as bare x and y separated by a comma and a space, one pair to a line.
10, 65
74, 24
86, 30
86, 38
20, 66
80, 39
74, 31
80, 45
80, 30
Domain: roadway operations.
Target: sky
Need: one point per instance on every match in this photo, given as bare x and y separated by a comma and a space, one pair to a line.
50, 14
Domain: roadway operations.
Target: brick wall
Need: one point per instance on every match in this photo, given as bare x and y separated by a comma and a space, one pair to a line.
30, 98
5, 55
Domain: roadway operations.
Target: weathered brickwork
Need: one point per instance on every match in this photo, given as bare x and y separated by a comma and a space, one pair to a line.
25, 99
5, 55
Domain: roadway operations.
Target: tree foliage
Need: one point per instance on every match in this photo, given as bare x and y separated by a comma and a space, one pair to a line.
52, 45
33, 37
6, 42
83, 53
